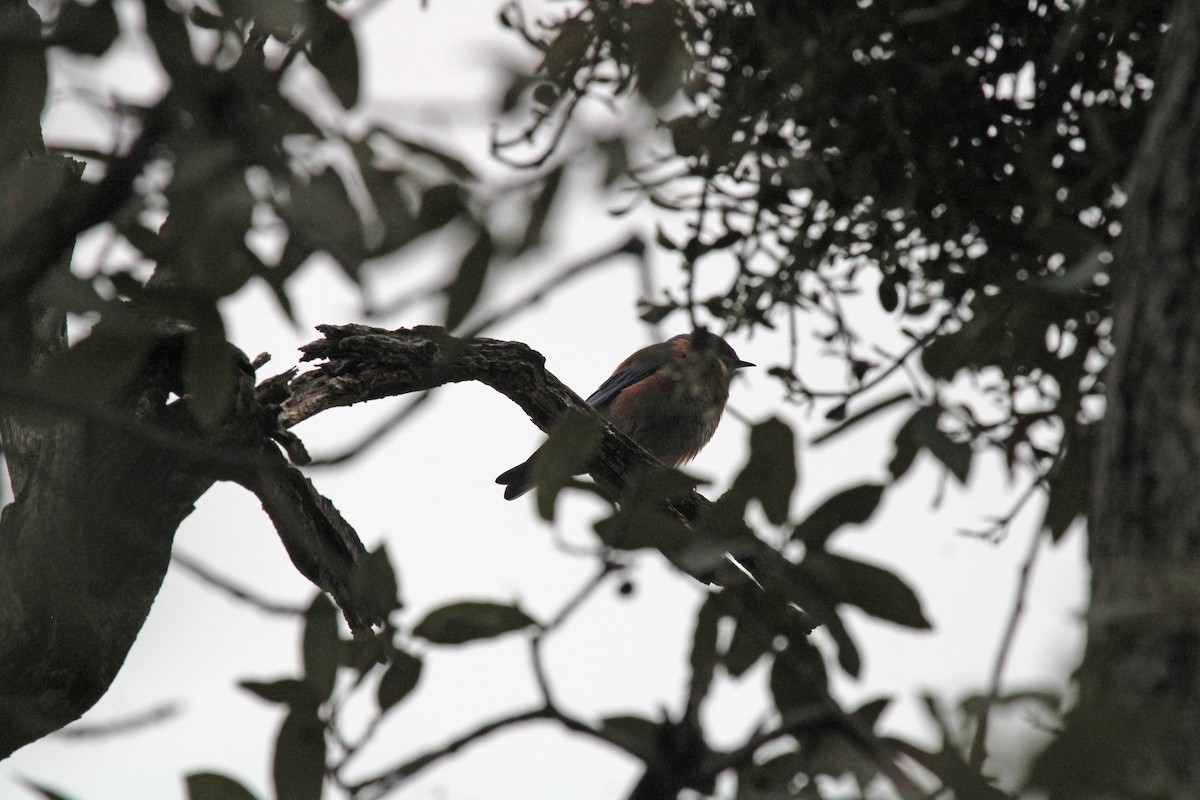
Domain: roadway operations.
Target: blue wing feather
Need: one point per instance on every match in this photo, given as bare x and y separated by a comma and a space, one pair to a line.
621, 380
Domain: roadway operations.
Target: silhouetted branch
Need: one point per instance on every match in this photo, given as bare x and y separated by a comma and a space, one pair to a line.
230, 588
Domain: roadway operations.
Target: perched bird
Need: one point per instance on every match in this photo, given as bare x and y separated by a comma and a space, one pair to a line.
667, 397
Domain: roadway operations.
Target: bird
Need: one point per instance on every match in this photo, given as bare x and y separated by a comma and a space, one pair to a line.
667, 397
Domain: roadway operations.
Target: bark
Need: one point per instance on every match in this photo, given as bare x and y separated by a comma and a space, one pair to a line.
1135, 731
86, 544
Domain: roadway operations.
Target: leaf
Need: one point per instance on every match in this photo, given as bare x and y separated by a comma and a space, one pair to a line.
464, 292
23, 84
770, 779
747, 646
769, 476
212, 786
955, 456
320, 216
539, 210
771, 470
1068, 488
287, 691
947, 765
98, 367
470, 621
46, 792
636, 735
379, 576
321, 646
440, 205
399, 679
208, 368
334, 52
298, 766
912, 436
646, 520
889, 295
873, 589
703, 658
88, 30
852, 506
798, 676
361, 654
568, 450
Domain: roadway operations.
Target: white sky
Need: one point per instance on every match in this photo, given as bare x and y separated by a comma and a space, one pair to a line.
427, 491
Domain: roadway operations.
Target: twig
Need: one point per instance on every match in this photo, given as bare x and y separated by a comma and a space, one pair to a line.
378, 786
633, 245
230, 588
978, 752
142, 719
377, 435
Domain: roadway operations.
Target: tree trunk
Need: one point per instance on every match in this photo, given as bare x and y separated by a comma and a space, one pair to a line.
1135, 731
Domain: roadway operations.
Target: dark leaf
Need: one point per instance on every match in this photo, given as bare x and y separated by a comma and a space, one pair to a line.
975, 705
772, 467
288, 691
771, 779
320, 216
299, 762
655, 314
440, 205
399, 679
798, 676
88, 30
361, 654
966, 782
46, 792
539, 210
208, 368
911, 437
464, 292
97, 367
955, 456
566, 453
321, 646
889, 295
334, 52
454, 165
636, 735
23, 83
211, 786
849, 507
1068, 487
380, 578
646, 520
703, 658
749, 643
873, 589
469, 621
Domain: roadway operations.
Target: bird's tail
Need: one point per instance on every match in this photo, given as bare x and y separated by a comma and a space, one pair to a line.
516, 481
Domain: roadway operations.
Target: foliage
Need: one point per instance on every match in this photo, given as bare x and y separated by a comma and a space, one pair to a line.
960, 161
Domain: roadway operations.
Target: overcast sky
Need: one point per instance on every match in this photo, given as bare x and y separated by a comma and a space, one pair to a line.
426, 490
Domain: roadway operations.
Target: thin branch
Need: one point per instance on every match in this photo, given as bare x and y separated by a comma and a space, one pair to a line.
378, 786
377, 435
230, 588
978, 752
134, 722
569, 608
633, 245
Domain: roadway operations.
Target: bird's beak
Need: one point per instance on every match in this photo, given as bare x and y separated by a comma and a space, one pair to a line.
742, 364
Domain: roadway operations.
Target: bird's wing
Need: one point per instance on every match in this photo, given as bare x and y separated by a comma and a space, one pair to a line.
637, 367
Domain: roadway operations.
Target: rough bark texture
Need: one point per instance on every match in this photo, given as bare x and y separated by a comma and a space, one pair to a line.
86, 544
1136, 729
